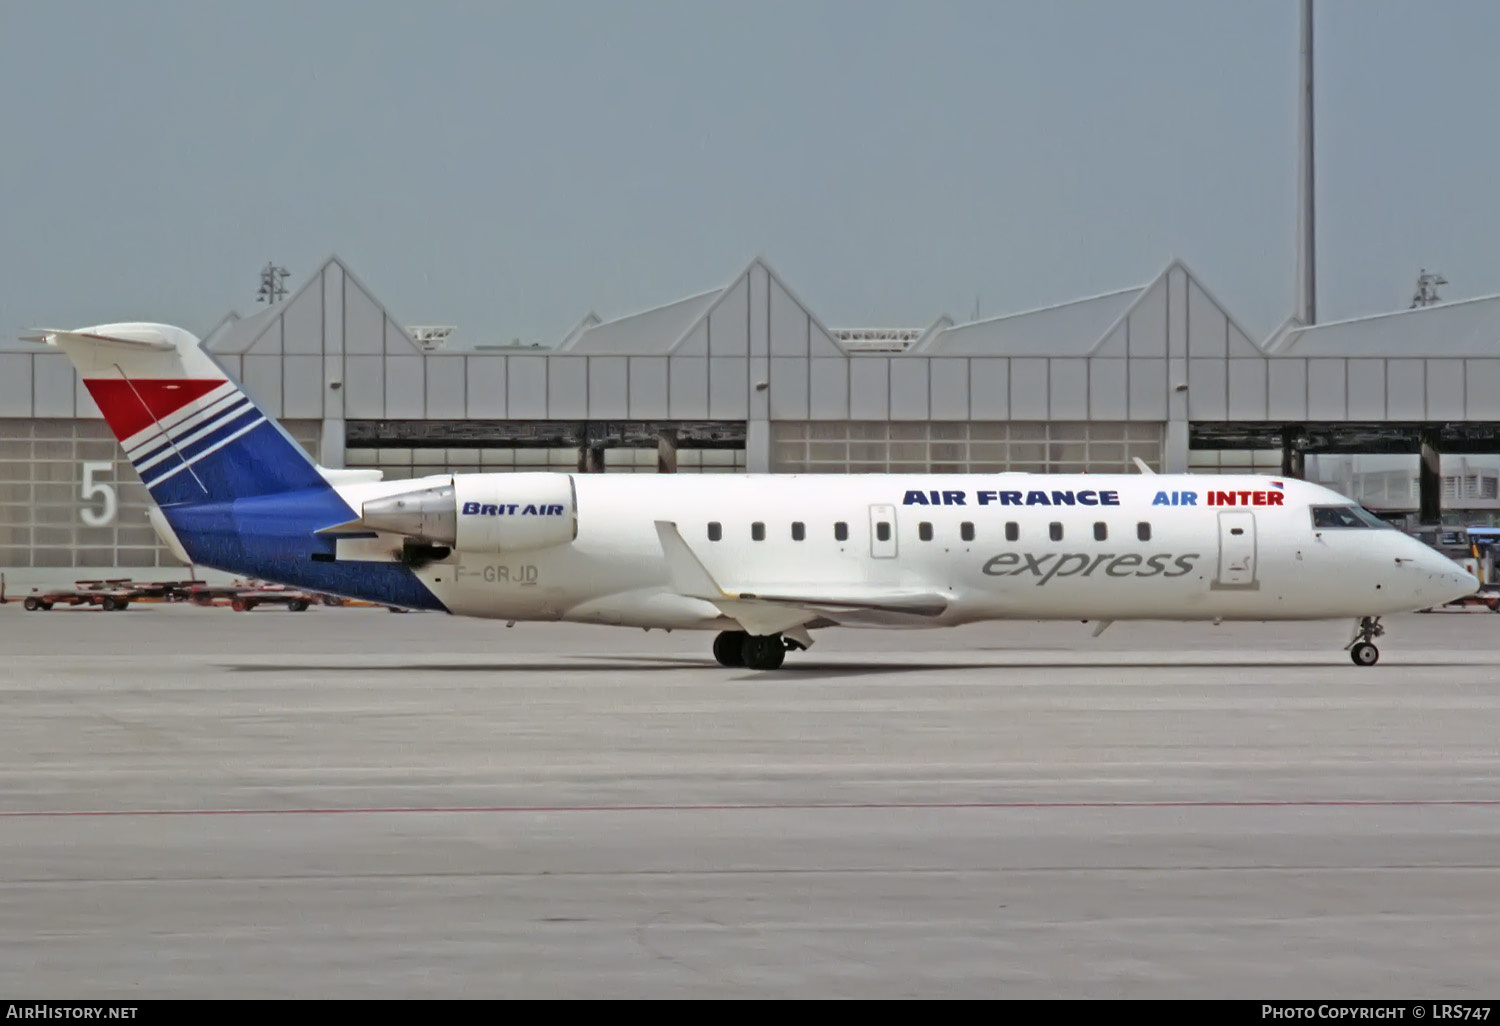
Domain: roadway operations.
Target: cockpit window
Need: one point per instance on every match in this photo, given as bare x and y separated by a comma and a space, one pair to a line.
1345, 516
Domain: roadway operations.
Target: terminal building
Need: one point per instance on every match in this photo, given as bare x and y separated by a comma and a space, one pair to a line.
1400, 410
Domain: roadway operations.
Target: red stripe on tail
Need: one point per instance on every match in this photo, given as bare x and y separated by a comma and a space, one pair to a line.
131, 406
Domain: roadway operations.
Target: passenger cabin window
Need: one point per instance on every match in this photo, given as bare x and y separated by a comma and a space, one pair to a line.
924, 531
1012, 531
715, 532
798, 531
1101, 531
966, 531
1056, 531
883, 531
758, 531
1345, 516
1143, 531
840, 531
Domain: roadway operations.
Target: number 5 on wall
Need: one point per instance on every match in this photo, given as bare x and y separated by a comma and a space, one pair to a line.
92, 488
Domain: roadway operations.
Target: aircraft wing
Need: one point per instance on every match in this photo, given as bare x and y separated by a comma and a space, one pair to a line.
771, 612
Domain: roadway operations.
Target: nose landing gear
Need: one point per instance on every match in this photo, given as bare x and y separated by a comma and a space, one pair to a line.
1361, 648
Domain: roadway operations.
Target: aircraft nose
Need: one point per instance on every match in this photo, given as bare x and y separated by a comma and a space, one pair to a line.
1453, 581
1468, 582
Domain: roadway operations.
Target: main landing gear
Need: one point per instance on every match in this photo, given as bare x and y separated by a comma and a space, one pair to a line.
752, 651
1361, 649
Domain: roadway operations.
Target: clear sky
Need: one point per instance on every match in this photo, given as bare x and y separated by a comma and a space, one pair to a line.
506, 167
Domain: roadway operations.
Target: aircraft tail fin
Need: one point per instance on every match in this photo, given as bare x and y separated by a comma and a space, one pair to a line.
191, 432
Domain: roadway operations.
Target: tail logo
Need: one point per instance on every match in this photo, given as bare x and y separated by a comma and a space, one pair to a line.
166, 426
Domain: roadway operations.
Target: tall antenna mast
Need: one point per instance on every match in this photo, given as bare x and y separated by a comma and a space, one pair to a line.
1426, 293
271, 287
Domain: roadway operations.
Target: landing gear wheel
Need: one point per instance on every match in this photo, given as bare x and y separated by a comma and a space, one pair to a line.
297, 605
239, 605
729, 648
32, 604
764, 652
110, 605
1361, 649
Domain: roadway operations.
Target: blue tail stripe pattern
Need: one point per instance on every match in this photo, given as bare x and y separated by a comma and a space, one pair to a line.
243, 497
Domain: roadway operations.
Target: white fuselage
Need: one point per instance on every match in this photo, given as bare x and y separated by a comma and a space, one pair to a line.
1088, 547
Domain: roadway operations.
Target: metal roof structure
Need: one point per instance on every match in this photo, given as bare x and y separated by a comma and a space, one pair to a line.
1067, 329
752, 352
654, 332
1467, 328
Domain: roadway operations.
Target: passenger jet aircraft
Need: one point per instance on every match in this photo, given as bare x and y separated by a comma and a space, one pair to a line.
764, 560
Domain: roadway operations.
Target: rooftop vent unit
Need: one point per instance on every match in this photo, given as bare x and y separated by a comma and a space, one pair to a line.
430, 337
876, 340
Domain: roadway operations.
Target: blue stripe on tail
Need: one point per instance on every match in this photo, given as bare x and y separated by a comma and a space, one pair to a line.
251, 501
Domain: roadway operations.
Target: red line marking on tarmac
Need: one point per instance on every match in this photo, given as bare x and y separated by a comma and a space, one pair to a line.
785, 807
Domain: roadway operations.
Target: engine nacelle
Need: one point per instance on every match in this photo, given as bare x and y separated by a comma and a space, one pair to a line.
514, 512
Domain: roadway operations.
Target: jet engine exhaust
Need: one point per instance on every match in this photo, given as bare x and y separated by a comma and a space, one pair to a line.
429, 515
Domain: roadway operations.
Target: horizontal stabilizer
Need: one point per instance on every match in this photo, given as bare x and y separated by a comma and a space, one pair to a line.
51, 337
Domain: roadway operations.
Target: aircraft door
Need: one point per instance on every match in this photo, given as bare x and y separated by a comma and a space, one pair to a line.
1236, 551
883, 532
